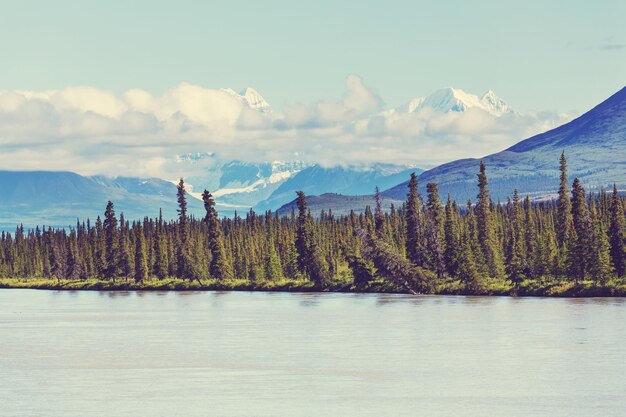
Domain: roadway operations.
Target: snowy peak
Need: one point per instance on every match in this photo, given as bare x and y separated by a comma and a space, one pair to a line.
495, 105
451, 99
241, 177
414, 104
256, 100
252, 98
456, 100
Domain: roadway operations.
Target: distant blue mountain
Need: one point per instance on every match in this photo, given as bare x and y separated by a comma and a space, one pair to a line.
59, 198
347, 181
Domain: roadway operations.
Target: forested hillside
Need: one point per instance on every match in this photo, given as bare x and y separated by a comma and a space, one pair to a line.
572, 245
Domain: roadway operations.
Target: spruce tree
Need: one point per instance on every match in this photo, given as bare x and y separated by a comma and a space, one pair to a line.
617, 234
183, 258
273, 269
486, 227
379, 215
141, 262
99, 243
435, 230
111, 242
126, 266
515, 262
530, 236
219, 267
74, 261
414, 227
467, 270
302, 234
565, 223
580, 252
600, 267
160, 267
452, 238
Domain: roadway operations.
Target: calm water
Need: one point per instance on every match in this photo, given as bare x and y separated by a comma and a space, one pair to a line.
269, 354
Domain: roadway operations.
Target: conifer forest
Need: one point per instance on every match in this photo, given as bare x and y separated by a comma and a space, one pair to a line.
574, 244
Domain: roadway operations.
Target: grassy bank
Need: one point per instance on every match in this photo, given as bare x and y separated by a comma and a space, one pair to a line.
170, 284
548, 288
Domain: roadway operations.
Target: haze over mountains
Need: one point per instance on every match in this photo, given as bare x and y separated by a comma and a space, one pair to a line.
594, 144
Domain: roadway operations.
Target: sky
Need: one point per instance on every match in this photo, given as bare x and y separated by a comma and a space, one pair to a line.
77, 61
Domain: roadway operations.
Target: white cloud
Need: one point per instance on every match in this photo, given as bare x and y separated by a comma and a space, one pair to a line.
92, 131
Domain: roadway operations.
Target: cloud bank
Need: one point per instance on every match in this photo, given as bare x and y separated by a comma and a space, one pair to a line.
91, 131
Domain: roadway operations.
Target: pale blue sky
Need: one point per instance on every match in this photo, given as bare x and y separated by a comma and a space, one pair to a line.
536, 55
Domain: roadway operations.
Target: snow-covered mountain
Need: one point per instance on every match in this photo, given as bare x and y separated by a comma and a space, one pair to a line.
239, 186
252, 98
456, 100
350, 180
236, 185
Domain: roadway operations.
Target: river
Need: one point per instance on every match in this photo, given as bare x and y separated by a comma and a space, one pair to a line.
133, 354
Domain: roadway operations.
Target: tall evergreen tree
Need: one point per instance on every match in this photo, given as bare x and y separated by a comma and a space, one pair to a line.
467, 269
565, 223
126, 267
183, 258
515, 262
617, 234
141, 262
99, 244
452, 238
111, 242
160, 267
303, 234
486, 227
435, 230
379, 215
74, 261
272, 267
600, 267
580, 253
219, 267
414, 227
530, 237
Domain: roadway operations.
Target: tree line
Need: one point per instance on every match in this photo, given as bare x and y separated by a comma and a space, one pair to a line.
414, 248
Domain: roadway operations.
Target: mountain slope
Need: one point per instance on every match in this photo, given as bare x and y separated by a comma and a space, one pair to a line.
338, 204
59, 198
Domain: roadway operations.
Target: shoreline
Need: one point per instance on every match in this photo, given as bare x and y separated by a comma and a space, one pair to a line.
555, 289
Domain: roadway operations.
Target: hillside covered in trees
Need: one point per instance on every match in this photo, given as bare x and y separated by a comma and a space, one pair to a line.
575, 245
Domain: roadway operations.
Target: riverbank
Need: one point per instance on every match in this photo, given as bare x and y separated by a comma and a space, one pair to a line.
527, 288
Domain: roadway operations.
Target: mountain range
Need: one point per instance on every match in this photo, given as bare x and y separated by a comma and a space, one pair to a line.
59, 198
594, 144
451, 99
